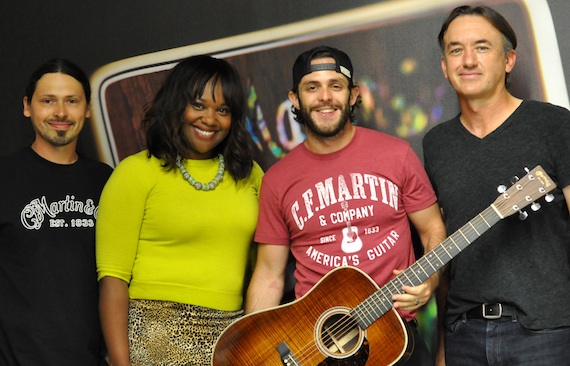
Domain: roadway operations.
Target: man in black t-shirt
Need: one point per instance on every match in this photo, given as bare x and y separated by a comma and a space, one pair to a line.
49, 196
505, 298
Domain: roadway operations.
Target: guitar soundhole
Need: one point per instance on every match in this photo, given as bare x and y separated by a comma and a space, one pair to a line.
337, 333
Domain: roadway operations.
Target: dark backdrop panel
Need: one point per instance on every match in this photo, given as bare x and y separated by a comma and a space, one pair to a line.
95, 33
397, 63
397, 66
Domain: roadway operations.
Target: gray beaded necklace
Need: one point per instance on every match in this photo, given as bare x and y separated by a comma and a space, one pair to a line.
201, 186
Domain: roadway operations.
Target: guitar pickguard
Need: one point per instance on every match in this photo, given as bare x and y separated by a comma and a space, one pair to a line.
358, 359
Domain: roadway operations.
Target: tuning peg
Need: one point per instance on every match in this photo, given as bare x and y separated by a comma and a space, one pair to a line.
523, 215
535, 206
502, 188
549, 197
514, 179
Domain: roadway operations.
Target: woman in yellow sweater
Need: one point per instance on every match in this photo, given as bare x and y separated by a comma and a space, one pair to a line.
176, 222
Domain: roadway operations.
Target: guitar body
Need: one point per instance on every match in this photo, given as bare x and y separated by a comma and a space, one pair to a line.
317, 329
320, 329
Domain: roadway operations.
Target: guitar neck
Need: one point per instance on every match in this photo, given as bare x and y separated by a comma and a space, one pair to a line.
381, 302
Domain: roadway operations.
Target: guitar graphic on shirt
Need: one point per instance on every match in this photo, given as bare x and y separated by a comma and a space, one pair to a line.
351, 242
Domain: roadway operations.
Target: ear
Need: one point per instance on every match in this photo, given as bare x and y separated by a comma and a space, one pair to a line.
294, 98
510, 61
444, 67
88, 111
27, 112
354, 93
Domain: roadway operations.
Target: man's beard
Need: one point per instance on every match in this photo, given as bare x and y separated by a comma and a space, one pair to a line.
330, 131
59, 139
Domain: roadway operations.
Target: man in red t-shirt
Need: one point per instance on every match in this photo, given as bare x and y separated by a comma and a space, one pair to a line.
344, 197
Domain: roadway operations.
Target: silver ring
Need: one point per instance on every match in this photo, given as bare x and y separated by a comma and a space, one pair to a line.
417, 301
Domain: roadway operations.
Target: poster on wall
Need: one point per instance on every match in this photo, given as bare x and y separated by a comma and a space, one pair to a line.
394, 50
393, 47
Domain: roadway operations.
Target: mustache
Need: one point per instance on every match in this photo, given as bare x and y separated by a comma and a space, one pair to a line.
327, 105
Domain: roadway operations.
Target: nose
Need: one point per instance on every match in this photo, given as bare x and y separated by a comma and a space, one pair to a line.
60, 111
469, 58
209, 116
325, 94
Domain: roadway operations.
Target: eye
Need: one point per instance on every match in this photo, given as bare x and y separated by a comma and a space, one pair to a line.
197, 105
46, 101
73, 101
224, 111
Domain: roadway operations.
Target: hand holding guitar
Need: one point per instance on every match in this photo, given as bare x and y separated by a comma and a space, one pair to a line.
346, 318
414, 297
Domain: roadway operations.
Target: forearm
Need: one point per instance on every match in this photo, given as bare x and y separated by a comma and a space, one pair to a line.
431, 230
433, 281
263, 293
114, 312
268, 281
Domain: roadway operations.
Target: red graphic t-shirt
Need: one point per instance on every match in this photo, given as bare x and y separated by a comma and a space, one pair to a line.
348, 208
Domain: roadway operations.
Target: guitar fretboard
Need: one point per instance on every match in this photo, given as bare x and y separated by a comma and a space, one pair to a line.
380, 302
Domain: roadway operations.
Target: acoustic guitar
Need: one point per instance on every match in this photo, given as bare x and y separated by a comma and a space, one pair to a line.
346, 319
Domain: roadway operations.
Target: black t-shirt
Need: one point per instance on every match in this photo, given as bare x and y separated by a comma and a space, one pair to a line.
522, 263
48, 281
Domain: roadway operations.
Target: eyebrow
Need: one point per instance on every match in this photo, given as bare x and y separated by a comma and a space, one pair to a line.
51, 95
201, 100
328, 81
457, 43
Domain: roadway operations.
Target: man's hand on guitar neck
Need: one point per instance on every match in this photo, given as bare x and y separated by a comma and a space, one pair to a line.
431, 230
415, 297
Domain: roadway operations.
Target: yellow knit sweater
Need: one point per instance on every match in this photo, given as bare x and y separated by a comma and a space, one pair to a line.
171, 242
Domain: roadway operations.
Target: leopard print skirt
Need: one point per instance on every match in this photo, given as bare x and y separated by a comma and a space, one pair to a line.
174, 334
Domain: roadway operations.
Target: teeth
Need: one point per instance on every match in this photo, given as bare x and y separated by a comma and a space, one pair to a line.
326, 110
204, 133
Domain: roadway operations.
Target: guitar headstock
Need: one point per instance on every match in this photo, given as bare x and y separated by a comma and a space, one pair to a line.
534, 185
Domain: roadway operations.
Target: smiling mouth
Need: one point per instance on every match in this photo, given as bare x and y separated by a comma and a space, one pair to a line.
59, 124
203, 133
469, 73
325, 111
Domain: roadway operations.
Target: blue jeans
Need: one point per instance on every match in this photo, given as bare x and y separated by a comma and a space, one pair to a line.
504, 341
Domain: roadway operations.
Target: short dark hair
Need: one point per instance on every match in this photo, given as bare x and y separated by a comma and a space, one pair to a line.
185, 83
494, 17
58, 65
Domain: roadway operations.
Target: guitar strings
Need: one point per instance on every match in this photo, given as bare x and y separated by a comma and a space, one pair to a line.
472, 230
419, 270
367, 309
449, 248
339, 329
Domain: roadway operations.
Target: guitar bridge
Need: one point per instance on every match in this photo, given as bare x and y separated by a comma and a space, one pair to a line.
287, 357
